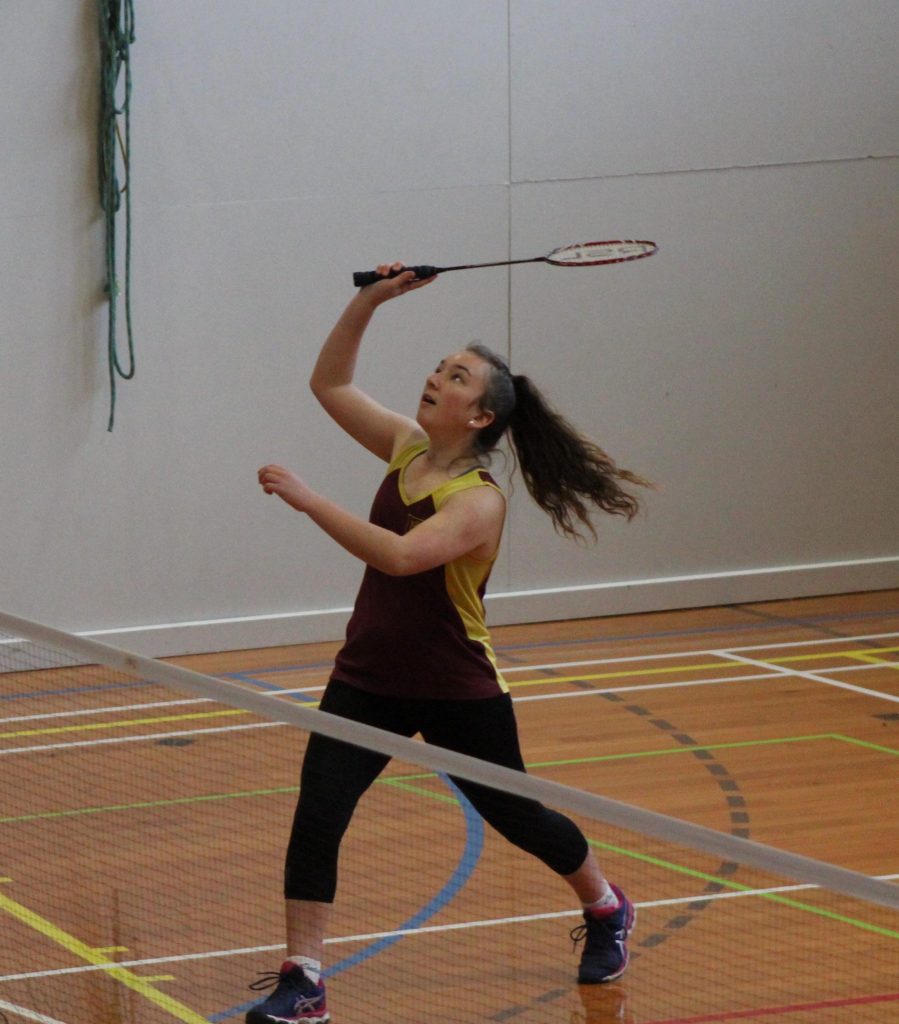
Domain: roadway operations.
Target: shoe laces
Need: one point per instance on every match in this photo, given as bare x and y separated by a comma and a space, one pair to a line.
266, 979
271, 979
583, 931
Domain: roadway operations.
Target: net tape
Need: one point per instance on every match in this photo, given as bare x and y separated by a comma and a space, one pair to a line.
437, 759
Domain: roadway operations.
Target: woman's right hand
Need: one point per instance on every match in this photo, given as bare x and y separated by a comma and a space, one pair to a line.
392, 287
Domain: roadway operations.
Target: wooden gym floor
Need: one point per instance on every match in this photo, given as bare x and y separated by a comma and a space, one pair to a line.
141, 834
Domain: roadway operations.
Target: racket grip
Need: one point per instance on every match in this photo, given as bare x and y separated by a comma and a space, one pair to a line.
365, 277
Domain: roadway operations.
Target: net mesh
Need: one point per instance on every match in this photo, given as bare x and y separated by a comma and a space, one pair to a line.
144, 817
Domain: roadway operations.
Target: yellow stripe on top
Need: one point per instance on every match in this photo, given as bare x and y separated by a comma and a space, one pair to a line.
406, 455
466, 577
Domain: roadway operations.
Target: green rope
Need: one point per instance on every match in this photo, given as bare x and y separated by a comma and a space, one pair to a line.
116, 35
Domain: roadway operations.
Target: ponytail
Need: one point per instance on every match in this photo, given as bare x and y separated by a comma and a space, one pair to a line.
565, 473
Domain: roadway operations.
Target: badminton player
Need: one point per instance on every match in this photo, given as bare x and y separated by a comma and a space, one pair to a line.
418, 657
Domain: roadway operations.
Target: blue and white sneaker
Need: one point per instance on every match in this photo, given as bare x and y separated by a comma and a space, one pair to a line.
605, 955
296, 999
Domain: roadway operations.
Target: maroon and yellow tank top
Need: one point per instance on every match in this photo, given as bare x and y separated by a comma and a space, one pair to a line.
422, 635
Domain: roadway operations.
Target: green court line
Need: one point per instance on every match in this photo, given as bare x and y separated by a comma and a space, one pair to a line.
864, 743
736, 745
739, 887
688, 750
48, 815
398, 782
404, 781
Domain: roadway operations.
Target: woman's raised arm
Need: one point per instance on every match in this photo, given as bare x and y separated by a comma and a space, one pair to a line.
375, 427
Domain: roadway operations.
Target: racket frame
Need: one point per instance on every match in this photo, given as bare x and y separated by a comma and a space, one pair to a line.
615, 256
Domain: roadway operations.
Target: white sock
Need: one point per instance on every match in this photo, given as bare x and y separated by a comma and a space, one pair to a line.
608, 901
311, 968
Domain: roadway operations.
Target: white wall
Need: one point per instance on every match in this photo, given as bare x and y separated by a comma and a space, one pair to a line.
750, 367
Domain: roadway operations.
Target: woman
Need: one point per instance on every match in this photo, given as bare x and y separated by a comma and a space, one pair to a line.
418, 657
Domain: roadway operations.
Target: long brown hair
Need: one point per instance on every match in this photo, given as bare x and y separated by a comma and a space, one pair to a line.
565, 473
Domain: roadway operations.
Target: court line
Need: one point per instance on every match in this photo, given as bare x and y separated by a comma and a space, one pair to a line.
406, 779
725, 654
871, 660
20, 1011
141, 986
692, 682
153, 736
865, 653
815, 677
639, 688
96, 727
468, 860
811, 643
775, 623
251, 677
672, 901
778, 673
282, 693
92, 726
871, 663
517, 700
739, 887
113, 709
703, 652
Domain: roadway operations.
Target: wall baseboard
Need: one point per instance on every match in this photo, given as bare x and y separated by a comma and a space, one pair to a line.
623, 597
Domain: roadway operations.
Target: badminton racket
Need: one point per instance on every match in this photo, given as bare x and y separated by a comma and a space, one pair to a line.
583, 254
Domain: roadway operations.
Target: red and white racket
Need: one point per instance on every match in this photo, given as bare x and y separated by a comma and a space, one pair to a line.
582, 254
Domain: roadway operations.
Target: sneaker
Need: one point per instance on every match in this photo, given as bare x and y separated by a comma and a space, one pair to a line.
605, 954
296, 998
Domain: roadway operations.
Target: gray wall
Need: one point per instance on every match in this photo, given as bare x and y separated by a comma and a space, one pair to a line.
750, 367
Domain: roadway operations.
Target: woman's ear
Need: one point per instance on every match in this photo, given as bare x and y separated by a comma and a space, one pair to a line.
483, 419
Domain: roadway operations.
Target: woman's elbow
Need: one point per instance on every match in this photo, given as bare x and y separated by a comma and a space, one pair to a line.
399, 567
400, 562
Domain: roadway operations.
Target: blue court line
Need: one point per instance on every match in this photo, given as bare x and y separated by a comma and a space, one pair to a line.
73, 690
474, 845
262, 684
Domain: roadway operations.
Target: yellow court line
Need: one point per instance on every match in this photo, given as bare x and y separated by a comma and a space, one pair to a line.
706, 666
95, 726
864, 653
94, 956
868, 656
623, 675
869, 659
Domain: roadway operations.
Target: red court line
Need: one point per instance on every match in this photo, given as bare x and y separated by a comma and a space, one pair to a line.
767, 1011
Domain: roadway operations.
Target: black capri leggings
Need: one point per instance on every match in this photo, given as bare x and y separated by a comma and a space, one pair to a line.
336, 774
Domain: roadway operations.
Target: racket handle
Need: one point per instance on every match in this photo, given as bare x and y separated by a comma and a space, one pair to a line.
366, 277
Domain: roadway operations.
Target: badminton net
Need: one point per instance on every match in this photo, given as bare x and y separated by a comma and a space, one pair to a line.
146, 808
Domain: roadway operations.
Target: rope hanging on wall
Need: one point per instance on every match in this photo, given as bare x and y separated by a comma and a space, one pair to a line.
116, 36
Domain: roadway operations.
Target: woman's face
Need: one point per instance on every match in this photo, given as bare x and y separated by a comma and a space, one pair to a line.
453, 393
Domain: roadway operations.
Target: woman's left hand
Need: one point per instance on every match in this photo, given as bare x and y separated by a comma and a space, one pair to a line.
287, 485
